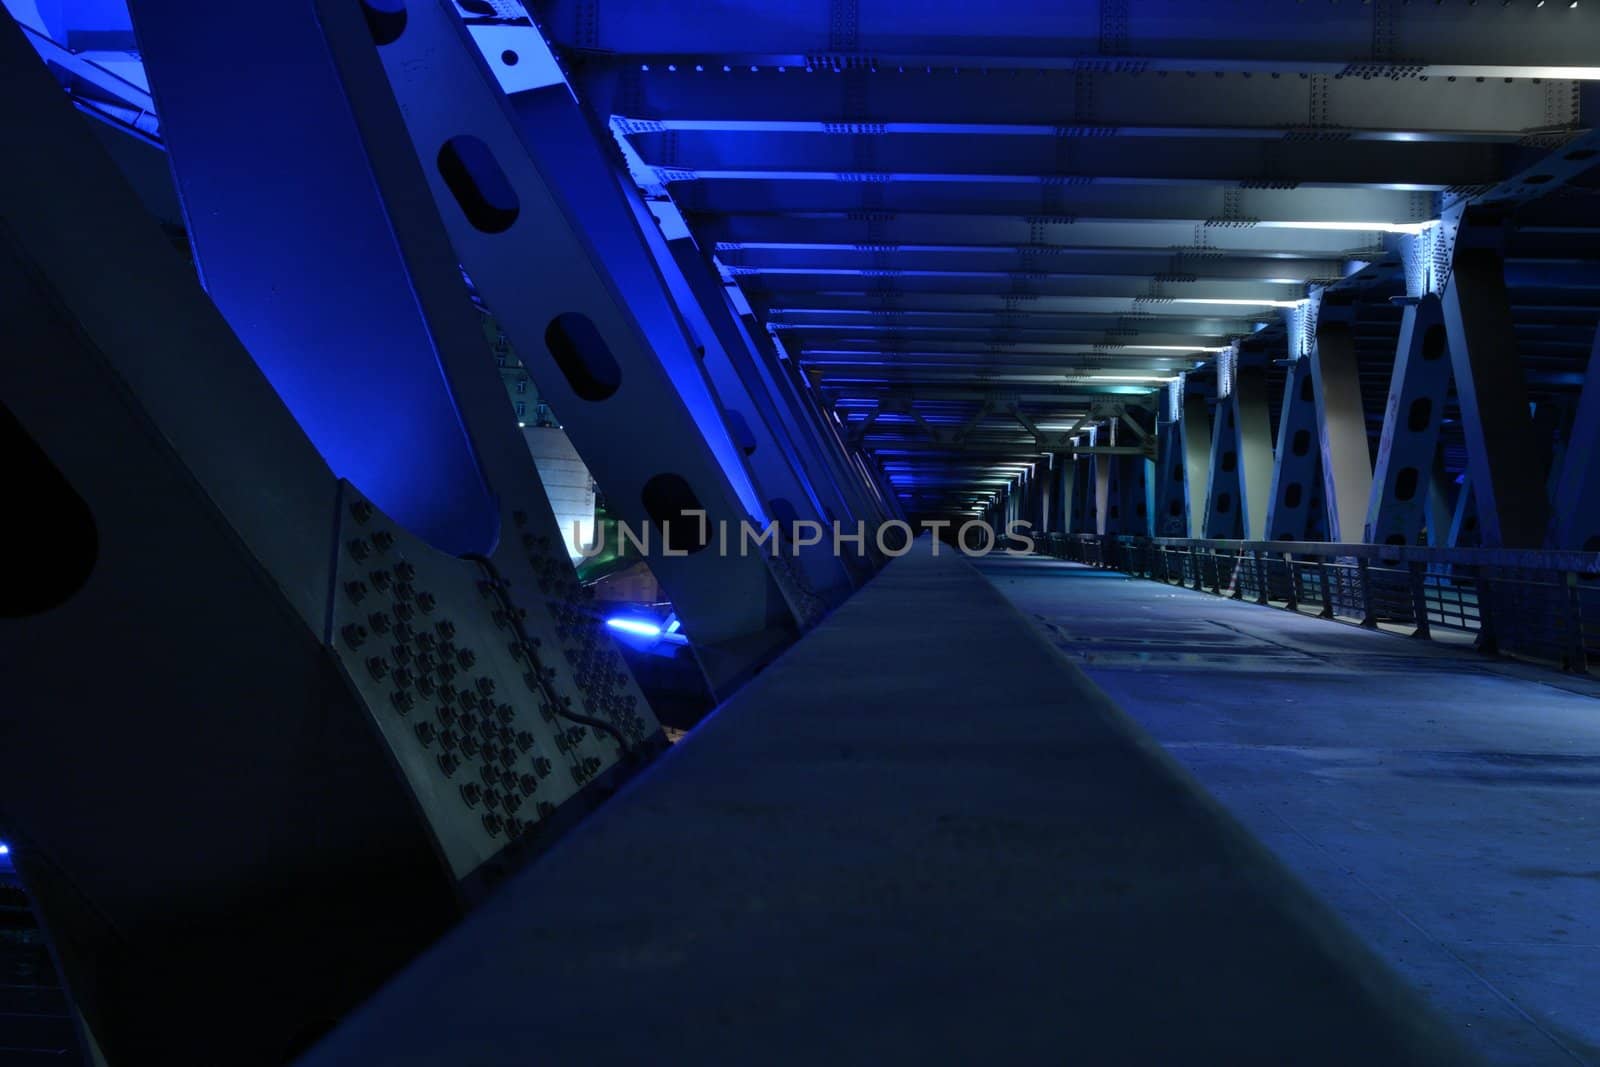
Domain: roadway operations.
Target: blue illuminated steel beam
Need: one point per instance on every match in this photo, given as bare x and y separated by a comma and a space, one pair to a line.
297, 224
1152, 36
536, 216
785, 493
1062, 102
1508, 482
1577, 500
1296, 470
1418, 389
742, 361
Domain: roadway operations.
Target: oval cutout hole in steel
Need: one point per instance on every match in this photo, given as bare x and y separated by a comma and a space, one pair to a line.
1292, 494
1230, 461
1434, 342
739, 430
1308, 391
386, 20
1301, 443
668, 499
581, 353
480, 187
1224, 503
1405, 484
1420, 414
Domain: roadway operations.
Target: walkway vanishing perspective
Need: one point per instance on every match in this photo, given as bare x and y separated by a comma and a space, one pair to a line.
921, 836
1443, 803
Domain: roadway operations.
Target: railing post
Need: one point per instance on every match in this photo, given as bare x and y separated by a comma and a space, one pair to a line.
1369, 618
1261, 576
1293, 603
1419, 598
1488, 640
1577, 654
1326, 588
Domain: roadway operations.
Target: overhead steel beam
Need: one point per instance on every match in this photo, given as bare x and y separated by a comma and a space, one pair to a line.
1083, 216
1413, 165
1405, 42
1054, 261
1053, 202
1057, 101
956, 208
1418, 389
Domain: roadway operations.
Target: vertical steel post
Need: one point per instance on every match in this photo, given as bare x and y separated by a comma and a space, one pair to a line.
1341, 423
1195, 430
1507, 481
1577, 518
1295, 480
1417, 390
1222, 479
1253, 422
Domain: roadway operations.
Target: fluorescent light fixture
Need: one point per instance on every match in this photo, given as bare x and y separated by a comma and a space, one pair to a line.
1120, 378
638, 627
5, 849
1172, 348
1352, 227
1220, 302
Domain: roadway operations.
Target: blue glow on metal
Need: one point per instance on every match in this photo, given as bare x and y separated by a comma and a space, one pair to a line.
302, 262
5, 849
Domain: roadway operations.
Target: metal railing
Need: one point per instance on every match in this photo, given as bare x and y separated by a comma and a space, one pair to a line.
1543, 606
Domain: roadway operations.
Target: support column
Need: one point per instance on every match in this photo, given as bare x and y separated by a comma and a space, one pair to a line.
1507, 482
1465, 530
1102, 494
1195, 431
1167, 513
1577, 518
1045, 472
1417, 391
1222, 498
1442, 494
770, 458
1066, 491
1341, 424
1296, 480
1253, 422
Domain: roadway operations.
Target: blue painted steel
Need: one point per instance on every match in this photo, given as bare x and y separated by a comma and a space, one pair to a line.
295, 247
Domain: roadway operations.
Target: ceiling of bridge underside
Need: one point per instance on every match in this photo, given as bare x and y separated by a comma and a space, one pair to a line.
976, 224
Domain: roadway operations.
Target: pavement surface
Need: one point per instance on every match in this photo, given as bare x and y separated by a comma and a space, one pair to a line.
920, 836
1445, 804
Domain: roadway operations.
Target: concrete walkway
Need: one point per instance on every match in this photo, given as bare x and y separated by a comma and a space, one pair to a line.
1446, 805
919, 837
